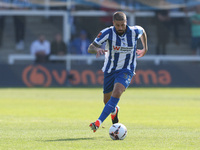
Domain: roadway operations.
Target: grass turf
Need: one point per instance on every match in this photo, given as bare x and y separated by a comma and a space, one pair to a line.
59, 118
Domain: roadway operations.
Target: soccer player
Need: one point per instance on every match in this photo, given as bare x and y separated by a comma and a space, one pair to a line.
120, 62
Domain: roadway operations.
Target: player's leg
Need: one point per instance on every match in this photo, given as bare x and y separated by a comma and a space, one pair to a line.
107, 90
114, 113
113, 101
122, 81
107, 97
117, 92
95, 125
109, 100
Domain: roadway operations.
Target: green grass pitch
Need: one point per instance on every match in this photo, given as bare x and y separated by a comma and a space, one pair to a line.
59, 118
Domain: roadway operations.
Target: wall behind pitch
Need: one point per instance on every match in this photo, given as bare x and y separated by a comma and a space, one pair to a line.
55, 75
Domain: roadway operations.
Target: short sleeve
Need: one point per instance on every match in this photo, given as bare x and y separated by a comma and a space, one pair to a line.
102, 36
139, 31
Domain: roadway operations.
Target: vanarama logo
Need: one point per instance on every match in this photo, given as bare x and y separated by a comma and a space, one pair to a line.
40, 76
36, 76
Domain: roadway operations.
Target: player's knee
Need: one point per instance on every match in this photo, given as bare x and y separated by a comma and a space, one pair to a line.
117, 92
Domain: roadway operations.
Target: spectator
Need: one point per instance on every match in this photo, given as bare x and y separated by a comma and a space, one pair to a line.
19, 25
19, 22
80, 44
163, 31
2, 19
41, 49
176, 22
58, 46
1, 28
195, 30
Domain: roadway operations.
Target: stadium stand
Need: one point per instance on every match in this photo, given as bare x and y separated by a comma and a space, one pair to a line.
40, 23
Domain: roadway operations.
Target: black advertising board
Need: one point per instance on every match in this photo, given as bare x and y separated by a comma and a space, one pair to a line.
55, 75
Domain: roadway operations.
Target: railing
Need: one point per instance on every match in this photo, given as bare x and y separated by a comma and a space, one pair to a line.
67, 58
85, 13
90, 58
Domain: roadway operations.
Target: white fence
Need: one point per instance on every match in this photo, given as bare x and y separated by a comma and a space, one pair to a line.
89, 59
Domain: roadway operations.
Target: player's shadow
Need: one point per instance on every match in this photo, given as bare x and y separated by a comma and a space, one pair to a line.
69, 139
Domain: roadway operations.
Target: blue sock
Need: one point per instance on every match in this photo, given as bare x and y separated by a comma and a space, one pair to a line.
109, 107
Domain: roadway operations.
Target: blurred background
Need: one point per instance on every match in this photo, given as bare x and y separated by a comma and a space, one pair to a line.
43, 43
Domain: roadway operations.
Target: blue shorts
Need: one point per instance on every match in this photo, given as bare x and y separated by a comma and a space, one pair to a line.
122, 76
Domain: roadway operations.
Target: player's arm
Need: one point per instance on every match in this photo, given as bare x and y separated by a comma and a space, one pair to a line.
95, 49
143, 39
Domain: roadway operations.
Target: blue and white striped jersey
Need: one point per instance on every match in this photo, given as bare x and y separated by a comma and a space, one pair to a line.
121, 49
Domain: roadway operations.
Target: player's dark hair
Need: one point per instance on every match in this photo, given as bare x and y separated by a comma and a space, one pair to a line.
119, 16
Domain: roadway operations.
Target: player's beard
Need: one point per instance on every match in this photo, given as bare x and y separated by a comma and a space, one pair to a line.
120, 32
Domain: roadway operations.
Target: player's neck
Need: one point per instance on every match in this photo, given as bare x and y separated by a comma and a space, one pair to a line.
121, 34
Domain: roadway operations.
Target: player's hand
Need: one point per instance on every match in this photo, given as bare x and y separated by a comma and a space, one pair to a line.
140, 52
100, 52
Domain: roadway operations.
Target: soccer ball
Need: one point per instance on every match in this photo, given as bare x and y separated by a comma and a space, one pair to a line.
117, 131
